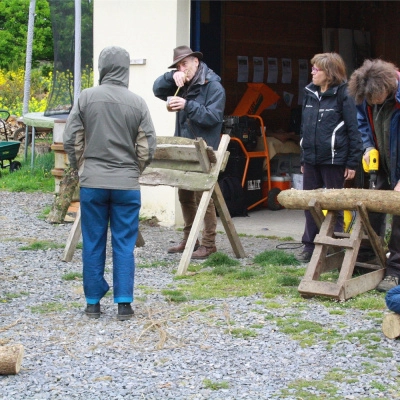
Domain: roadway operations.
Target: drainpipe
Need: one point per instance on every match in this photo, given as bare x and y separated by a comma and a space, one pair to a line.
197, 20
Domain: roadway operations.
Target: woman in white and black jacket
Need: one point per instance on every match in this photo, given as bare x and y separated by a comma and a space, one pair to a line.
330, 140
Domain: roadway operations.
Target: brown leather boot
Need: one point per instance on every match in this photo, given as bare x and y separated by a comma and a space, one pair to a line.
181, 247
203, 252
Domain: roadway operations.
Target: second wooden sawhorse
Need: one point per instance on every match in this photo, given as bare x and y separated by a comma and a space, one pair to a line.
191, 165
339, 251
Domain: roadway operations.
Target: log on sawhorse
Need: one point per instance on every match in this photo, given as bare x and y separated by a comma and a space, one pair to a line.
191, 165
339, 251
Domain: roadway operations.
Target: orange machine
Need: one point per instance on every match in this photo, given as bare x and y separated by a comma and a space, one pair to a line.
269, 192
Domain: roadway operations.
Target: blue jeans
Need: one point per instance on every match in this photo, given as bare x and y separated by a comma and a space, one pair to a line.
393, 299
120, 208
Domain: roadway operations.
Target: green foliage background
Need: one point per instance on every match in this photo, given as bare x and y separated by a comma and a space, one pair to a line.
14, 16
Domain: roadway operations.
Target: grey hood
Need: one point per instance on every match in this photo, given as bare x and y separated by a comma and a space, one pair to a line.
114, 66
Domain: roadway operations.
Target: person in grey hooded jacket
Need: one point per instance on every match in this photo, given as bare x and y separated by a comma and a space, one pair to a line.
200, 104
109, 136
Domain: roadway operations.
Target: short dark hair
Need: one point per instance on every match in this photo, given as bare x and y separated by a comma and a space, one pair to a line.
333, 66
372, 79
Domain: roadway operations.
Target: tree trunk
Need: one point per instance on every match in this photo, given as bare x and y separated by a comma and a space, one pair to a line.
63, 200
382, 201
391, 325
11, 359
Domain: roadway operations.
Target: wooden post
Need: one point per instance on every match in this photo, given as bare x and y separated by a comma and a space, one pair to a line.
391, 325
11, 359
63, 199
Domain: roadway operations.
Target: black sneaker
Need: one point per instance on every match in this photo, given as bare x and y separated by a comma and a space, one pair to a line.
93, 310
304, 257
124, 311
388, 282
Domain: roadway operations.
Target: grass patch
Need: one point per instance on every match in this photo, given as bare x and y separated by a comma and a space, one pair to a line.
311, 390
256, 326
378, 385
272, 304
375, 314
242, 332
47, 308
223, 281
218, 259
195, 267
42, 245
27, 179
200, 308
154, 264
246, 274
307, 333
287, 239
222, 270
44, 213
368, 301
274, 237
175, 296
146, 289
288, 280
52, 307
209, 384
6, 297
72, 276
337, 312
372, 300
275, 257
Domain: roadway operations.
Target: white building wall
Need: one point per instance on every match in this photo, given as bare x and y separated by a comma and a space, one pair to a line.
147, 29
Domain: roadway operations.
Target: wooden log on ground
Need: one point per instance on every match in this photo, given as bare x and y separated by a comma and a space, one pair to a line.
63, 199
11, 359
381, 201
391, 325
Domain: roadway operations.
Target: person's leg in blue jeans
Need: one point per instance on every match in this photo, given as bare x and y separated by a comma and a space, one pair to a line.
393, 299
94, 205
124, 223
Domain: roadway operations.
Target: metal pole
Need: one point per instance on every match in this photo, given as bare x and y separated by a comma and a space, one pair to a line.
77, 59
28, 65
32, 147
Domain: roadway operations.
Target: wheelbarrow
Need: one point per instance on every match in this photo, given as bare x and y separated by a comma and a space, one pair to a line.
8, 151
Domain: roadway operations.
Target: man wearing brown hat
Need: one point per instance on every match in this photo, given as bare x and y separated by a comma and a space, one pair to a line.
199, 104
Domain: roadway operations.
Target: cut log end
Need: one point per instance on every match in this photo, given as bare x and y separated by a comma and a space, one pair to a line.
391, 325
11, 359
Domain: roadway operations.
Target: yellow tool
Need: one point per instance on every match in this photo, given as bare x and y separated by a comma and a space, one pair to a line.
372, 168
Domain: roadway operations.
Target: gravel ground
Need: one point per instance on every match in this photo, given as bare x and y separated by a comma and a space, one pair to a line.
165, 352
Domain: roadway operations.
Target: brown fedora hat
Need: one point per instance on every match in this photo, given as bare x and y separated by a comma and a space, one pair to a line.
182, 52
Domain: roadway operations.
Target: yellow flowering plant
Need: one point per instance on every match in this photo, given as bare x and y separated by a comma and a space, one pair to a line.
12, 88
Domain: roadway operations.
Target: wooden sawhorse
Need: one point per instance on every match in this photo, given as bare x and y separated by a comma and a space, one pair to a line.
191, 165
329, 255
